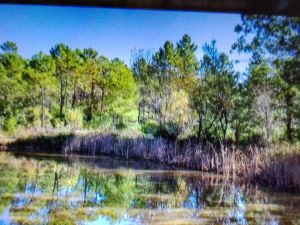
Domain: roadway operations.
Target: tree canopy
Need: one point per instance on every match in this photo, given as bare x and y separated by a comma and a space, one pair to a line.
169, 93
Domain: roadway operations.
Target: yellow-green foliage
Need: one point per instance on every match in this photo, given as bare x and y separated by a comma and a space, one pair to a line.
74, 118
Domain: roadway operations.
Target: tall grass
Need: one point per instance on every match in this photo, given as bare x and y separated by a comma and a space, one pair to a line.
277, 166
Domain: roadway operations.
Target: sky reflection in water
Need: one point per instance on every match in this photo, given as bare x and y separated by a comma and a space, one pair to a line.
81, 191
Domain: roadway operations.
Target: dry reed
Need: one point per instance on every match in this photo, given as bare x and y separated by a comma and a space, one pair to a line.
277, 166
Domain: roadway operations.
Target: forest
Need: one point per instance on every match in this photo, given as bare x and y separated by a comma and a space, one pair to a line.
169, 138
169, 93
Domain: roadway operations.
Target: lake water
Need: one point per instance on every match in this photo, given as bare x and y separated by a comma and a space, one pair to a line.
58, 189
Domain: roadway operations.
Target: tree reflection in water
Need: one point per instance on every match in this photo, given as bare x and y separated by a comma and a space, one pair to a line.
47, 191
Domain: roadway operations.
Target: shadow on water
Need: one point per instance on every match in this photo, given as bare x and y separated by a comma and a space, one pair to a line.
58, 189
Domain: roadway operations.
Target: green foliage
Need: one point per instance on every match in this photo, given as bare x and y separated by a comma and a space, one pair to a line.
167, 130
34, 116
170, 130
66, 88
150, 128
10, 125
74, 118
121, 97
12, 85
169, 93
215, 94
275, 38
166, 80
98, 122
9, 47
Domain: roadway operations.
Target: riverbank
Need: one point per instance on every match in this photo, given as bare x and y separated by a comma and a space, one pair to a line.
277, 166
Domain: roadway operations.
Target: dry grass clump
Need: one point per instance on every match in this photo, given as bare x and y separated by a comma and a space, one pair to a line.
280, 166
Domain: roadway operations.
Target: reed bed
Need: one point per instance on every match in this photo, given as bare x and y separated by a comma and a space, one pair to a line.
276, 166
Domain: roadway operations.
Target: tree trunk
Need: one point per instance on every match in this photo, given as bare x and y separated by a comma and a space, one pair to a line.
102, 102
289, 129
225, 123
237, 133
139, 113
43, 108
74, 97
199, 126
90, 116
66, 95
62, 97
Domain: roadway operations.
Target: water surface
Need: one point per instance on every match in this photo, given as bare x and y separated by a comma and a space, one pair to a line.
58, 189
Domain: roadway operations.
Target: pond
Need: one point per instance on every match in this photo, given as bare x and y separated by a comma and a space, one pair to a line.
59, 189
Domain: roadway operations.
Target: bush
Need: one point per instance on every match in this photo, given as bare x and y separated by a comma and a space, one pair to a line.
169, 131
74, 118
150, 128
121, 125
56, 118
98, 122
22, 118
33, 116
10, 125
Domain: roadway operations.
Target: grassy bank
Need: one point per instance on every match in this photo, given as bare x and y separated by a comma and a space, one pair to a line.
276, 166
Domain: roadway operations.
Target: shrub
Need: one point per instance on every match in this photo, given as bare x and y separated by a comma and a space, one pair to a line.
33, 116
150, 128
98, 122
74, 118
10, 125
121, 125
56, 118
169, 130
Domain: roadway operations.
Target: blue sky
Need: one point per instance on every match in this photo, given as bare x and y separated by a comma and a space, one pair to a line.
113, 32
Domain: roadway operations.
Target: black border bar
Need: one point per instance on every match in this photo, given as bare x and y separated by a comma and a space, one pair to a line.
268, 7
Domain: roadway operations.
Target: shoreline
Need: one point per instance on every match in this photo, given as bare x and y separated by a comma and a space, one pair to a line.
266, 166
